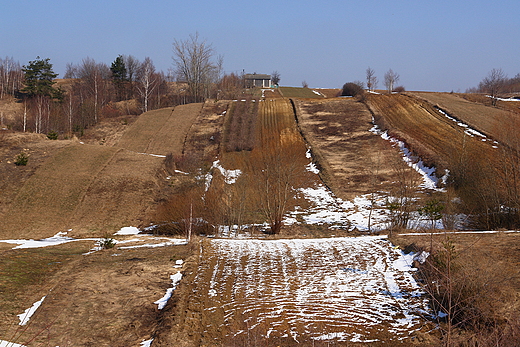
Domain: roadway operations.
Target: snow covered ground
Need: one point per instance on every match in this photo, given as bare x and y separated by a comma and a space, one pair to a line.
350, 289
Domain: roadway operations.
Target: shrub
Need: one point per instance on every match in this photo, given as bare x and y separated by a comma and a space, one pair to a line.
21, 159
107, 242
352, 89
52, 135
399, 89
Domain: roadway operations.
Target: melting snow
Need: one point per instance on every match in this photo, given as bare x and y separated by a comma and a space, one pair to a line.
24, 317
346, 289
162, 301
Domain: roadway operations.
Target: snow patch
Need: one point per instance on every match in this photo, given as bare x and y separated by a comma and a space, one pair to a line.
162, 301
128, 231
24, 317
230, 176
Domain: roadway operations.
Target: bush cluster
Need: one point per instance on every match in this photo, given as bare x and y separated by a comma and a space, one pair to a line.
352, 89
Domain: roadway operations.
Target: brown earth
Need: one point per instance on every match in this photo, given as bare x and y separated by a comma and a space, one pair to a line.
102, 299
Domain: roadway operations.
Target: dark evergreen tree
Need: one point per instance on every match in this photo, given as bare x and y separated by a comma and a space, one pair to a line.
39, 78
119, 77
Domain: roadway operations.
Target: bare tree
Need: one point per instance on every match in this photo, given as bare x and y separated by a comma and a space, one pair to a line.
371, 79
194, 61
278, 170
132, 65
493, 84
11, 76
147, 79
94, 77
275, 78
391, 79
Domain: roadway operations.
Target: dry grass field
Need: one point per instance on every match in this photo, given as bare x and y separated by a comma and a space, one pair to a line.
353, 160
492, 121
160, 131
297, 92
425, 130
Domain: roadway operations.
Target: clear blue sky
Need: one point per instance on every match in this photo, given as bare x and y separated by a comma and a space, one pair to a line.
433, 45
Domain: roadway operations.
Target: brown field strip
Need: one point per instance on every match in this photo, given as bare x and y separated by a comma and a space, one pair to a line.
160, 131
48, 199
122, 194
353, 160
489, 120
298, 92
428, 133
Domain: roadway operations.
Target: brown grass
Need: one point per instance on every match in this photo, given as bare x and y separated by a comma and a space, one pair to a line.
160, 131
485, 283
486, 119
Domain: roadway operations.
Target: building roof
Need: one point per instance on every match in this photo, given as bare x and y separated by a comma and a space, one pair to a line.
257, 76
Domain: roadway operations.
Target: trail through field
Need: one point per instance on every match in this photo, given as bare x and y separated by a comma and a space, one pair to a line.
344, 289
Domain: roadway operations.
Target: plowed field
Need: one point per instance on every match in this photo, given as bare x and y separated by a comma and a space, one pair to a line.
339, 290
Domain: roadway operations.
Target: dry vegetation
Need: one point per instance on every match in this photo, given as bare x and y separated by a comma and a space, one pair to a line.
474, 278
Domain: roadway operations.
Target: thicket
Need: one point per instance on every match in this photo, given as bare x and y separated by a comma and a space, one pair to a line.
470, 295
92, 91
352, 89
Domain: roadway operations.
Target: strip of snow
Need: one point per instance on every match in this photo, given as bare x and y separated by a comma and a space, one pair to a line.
147, 343
24, 317
171, 242
162, 301
9, 344
57, 239
468, 130
505, 99
153, 155
430, 180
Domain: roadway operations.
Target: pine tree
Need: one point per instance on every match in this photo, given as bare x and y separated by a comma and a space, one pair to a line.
39, 78
119, 76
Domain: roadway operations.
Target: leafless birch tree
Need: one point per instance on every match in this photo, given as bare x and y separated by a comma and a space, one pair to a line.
391, 79
371, 79
147, 81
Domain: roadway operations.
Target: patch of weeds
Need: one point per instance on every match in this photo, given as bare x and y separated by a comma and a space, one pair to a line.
107, 243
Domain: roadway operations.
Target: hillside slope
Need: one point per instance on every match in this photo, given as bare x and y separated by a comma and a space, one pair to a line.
491, 121
91, 189
160, 131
